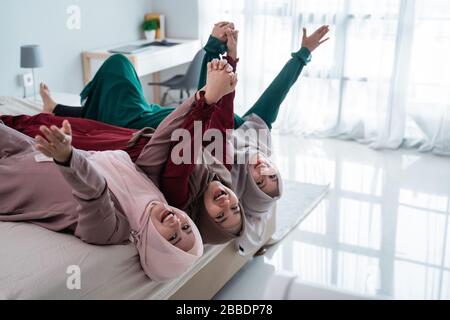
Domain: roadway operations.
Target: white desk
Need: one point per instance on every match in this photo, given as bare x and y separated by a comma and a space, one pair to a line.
150, 61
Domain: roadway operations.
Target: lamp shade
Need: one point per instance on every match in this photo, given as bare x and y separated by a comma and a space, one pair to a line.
30, 56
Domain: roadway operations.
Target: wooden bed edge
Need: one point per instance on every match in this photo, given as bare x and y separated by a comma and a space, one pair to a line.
205, 284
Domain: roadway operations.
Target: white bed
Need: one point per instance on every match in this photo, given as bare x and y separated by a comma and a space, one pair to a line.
34, 261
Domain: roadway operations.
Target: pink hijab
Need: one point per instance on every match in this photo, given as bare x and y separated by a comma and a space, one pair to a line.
137, 195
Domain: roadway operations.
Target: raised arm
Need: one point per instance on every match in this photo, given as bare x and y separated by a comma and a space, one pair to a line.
216, 45
270, 101
100, 220
153, 157
213, 112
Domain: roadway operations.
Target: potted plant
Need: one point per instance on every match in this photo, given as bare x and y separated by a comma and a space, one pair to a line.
150, 26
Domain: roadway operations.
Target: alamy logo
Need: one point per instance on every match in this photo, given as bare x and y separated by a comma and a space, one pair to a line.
73, 281
74, 19
189, 149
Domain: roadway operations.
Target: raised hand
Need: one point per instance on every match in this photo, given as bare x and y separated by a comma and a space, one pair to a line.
220, 28
221, 80
316, 39
57, 143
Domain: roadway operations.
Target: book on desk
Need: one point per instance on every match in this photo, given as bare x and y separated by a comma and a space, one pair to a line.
134, 48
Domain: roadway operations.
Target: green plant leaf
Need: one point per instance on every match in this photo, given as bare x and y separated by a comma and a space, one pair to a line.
151, 24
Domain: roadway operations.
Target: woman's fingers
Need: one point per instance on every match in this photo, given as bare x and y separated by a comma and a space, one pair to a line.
236, 35
48, 134
304, 33
45, 147
233, 79
230, 34
325, 31
221, 24
60, 136
214, 64
44, 143
229, 68
222, 64
325, 40
67, 128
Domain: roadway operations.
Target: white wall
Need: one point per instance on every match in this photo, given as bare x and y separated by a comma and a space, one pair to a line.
181, 15
182, 21
43, 22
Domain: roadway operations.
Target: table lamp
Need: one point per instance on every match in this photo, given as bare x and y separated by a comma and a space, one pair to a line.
31, 58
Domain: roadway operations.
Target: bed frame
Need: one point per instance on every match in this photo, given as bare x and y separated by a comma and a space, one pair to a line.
205, 284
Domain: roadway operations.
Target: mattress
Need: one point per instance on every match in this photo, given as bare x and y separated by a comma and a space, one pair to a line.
36, 263
17, 106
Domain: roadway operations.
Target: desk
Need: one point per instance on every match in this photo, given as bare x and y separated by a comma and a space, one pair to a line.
150, 61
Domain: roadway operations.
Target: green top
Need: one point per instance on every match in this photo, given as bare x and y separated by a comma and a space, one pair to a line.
270, 101
115, 96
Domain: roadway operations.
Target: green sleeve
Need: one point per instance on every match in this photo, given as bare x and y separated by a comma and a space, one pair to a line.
270, 101
214, 47
238, 121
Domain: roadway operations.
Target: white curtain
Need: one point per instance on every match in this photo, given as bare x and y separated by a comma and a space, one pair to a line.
383, 78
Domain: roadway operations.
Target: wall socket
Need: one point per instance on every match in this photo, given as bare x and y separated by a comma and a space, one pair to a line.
26, 79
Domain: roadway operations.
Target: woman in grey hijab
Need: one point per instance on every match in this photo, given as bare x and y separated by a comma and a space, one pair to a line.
255, 179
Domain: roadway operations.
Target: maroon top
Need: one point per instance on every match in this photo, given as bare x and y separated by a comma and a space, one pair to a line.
87, 134
174, 181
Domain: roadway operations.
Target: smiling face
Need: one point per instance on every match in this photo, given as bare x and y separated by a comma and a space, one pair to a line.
173, 225
223, 207
265, 175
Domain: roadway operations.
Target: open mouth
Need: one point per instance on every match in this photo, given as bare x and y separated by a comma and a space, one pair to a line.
220, 194
260, 163
166, 216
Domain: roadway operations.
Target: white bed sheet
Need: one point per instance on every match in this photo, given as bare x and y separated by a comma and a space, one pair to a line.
34, 261
17, 106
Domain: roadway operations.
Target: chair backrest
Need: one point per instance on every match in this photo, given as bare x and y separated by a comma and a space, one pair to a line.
192, 75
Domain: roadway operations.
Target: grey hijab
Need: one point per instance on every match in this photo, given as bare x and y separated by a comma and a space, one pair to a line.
254, 200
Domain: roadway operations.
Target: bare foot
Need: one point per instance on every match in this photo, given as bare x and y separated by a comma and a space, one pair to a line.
49, 103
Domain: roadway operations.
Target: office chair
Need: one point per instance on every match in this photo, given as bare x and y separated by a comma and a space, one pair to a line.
183, 82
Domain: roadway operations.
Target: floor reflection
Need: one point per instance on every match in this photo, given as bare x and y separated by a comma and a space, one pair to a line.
383, 228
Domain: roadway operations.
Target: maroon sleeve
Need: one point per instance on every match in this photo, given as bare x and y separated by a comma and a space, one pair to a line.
174, 181
175, 177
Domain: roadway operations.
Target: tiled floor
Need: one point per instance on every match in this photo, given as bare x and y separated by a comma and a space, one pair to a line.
382, 230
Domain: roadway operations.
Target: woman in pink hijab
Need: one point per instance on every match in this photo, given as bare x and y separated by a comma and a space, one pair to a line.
101, 197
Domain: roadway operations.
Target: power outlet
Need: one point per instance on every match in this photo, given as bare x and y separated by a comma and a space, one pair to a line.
26, 79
